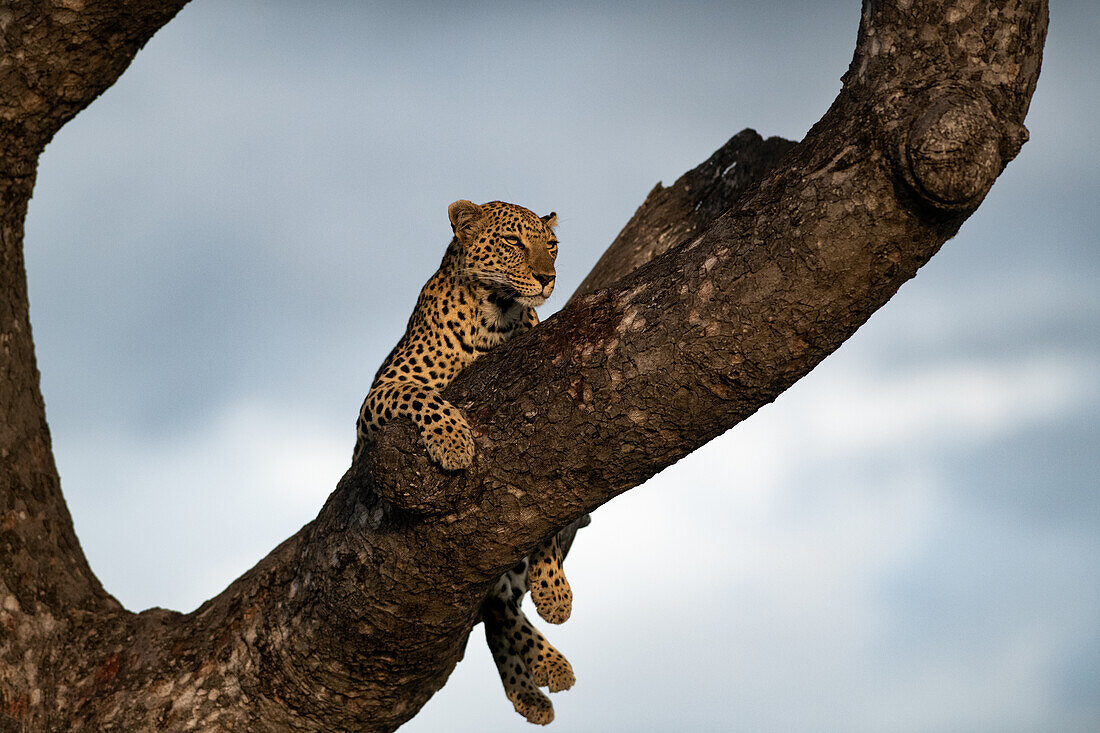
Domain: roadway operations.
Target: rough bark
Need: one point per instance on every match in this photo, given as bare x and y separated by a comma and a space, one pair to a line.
670, 216
690, 324
55, 58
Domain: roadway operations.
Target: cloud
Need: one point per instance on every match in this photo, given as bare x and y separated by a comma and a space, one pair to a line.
945, 405
171, 521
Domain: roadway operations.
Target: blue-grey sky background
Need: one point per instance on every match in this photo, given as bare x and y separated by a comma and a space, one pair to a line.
223, 248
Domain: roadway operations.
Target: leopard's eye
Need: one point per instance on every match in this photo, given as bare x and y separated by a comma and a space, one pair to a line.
514, 241
553, 246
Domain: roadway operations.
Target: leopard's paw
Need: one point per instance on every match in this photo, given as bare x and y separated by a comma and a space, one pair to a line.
550, 590
449, 442
534, 706
552, 670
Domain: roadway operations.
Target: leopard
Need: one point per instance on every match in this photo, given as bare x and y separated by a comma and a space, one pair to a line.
498, 267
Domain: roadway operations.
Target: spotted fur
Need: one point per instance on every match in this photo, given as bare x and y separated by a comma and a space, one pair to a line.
498, 267
524, 658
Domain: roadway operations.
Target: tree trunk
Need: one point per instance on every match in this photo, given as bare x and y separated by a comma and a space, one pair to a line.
721, 292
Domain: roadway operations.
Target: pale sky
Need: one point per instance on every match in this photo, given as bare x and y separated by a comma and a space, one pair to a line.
223, 248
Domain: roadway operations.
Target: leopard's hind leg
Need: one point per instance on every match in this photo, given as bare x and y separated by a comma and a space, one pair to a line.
519, 685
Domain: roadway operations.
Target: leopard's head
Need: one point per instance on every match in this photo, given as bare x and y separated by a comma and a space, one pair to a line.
508, 248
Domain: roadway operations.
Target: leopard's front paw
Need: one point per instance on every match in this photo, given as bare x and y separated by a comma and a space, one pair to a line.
550, 590
553, 599
450, 443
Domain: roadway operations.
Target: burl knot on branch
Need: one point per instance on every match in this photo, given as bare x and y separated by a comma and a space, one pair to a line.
397, 468
955, 147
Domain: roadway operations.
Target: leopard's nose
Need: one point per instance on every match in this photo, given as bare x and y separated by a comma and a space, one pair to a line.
544, 279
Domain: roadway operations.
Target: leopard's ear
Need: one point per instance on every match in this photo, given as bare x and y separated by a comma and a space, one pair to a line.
465, 217
550, 219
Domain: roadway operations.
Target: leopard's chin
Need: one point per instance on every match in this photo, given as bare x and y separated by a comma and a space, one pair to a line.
531, 301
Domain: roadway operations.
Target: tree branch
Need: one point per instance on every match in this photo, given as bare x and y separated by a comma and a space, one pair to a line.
60, 55
358, 619
671, 216
56, 58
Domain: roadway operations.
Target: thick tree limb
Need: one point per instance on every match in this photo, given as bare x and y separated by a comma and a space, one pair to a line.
55, 58
58, 56
670, 216
358, 619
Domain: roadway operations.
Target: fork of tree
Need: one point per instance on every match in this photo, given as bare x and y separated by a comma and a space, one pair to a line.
721, 292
